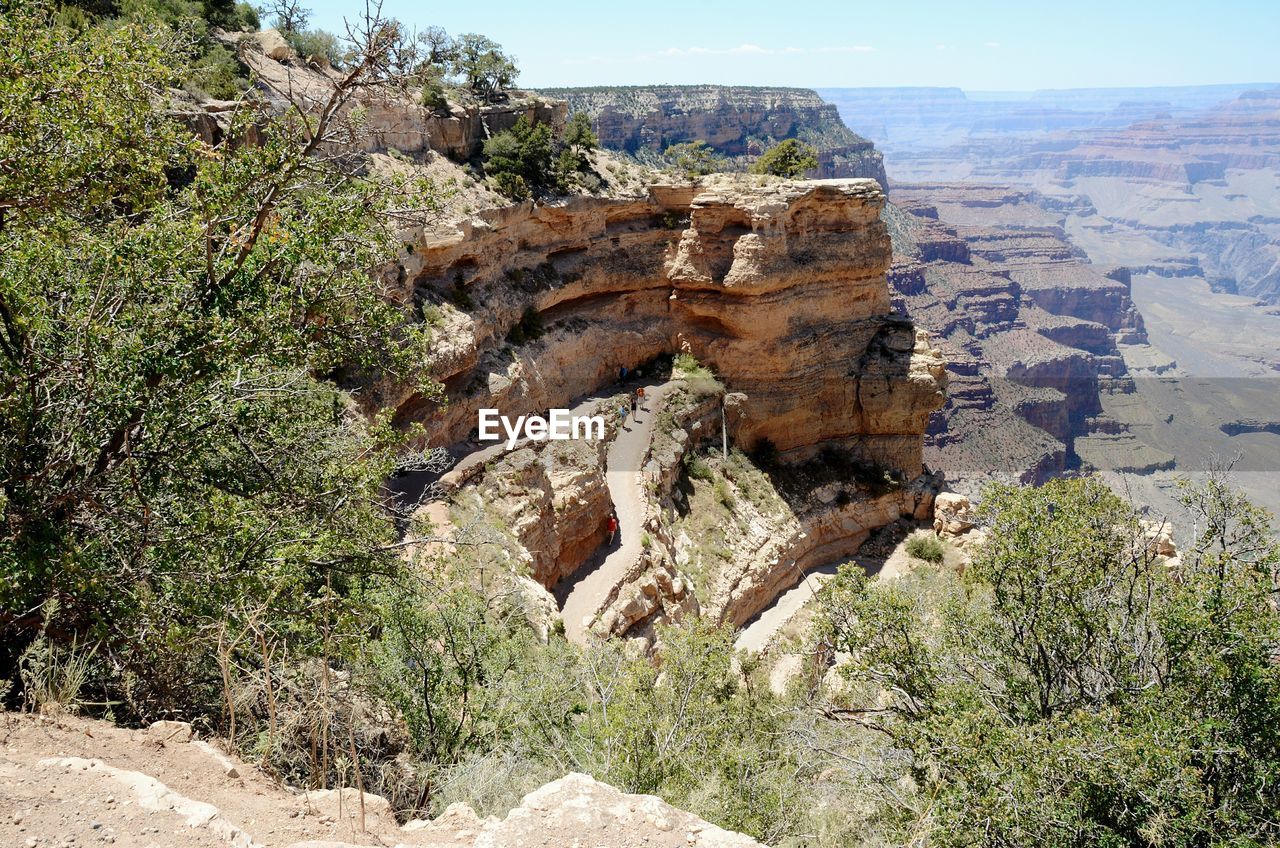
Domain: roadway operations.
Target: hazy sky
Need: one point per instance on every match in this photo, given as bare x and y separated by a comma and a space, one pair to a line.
979, 44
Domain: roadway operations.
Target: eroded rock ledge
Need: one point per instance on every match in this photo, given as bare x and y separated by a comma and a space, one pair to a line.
778, 286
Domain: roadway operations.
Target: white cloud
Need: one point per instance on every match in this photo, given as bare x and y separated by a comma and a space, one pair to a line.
856, 48
757, 50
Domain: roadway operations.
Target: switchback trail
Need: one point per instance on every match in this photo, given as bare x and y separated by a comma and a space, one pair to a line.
583, 594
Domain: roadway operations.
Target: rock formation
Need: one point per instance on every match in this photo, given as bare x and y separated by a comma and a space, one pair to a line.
738, 121
1029, 329
778, 286
88, 782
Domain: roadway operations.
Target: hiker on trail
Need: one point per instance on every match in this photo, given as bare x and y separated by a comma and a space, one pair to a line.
622, 373
640, 394
622, 412
634, 404
612, 527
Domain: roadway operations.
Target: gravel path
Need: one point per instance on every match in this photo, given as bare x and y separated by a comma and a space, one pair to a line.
591, 586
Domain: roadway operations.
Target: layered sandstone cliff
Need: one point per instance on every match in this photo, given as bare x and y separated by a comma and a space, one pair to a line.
738, 121
779, 286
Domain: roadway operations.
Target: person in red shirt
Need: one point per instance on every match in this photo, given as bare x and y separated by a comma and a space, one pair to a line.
613, 528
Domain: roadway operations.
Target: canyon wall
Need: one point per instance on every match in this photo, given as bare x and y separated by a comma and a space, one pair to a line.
1032, 333
778, 286
1172, 193
738, 121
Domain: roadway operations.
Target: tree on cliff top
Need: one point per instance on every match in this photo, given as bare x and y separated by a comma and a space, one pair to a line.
579, 135
791, 158
1070, 689
485, 69
528, 161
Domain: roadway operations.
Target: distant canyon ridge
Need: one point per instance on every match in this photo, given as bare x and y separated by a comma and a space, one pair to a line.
739, 122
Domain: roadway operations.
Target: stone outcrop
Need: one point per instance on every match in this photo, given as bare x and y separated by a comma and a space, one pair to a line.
387, 122
952, 515
778, 286
523, 489
577, 809
76, 782
738, 121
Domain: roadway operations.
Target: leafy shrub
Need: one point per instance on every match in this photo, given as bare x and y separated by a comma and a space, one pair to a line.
519, 161
672, 220
1070, 688
317, 44
434, 95
724, 494
791, 158
218, 73
526, 161
698, 468
528, 328
700, 380
925, 546
578, 133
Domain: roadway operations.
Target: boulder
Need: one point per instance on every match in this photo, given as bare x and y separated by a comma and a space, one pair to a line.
271, 43
952, 515
171, 731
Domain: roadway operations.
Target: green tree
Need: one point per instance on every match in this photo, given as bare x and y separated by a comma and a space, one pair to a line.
520, 160
1071, 689
790, 158
579, 135
176, 454
692, 158
484, 68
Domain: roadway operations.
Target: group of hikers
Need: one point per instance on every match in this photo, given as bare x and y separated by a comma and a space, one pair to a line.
637, 397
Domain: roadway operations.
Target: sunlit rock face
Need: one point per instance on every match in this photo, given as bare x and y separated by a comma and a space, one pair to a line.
778, 285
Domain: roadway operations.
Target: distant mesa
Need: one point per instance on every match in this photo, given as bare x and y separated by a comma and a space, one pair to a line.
739, 122
1250, 425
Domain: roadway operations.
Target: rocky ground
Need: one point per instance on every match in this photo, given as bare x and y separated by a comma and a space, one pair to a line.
70, 782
